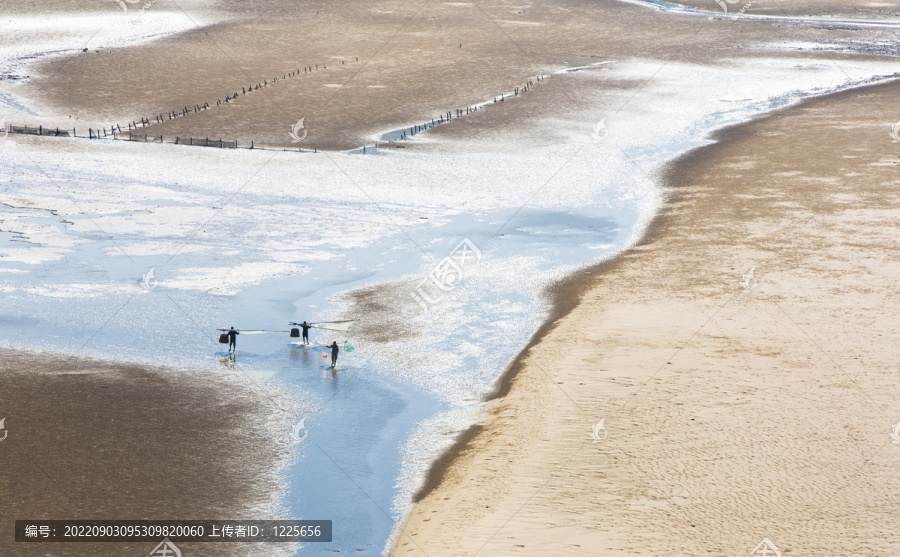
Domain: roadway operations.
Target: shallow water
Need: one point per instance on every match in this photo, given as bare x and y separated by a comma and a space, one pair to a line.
361, 416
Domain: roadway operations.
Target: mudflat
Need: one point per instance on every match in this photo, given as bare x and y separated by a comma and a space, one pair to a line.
94, 440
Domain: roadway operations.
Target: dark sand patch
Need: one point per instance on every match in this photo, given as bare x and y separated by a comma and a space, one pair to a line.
99, 440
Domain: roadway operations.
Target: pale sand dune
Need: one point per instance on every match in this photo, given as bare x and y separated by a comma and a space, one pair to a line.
732, 414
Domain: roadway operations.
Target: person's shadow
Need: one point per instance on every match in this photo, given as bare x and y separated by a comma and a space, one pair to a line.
334, 376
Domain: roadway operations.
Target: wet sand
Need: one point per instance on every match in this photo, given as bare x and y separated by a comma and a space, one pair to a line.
737, 406
96, 440
416, 61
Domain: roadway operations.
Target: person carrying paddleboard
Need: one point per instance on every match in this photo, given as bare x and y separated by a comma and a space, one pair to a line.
334, 353
232, 340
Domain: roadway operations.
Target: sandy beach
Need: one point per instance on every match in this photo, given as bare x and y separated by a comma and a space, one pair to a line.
741, 359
